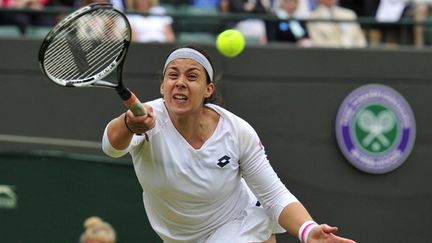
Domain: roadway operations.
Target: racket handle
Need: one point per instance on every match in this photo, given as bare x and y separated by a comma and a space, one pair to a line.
135, 105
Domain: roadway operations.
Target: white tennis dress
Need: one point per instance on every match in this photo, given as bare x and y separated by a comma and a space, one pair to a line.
199, 195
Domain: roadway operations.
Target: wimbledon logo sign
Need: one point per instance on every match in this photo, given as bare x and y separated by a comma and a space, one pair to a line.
375, 128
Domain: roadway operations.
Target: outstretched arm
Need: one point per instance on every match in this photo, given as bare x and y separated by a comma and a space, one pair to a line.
297, 221
326, 233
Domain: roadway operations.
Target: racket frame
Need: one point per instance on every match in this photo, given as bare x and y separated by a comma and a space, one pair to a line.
95, 80
129, 98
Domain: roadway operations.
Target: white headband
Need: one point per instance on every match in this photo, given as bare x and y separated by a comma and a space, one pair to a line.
190, 53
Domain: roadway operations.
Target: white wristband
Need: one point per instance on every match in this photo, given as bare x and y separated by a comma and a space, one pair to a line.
305, 229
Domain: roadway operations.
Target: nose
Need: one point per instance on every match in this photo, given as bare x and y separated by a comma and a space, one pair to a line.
180, 83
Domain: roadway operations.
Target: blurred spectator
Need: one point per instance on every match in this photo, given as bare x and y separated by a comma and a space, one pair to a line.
24, 20
149, 22
82, 3
253, 29
421, 11
224, 6
335, 34
97, 231
119, 4
249, 6
206, 4
390, 11
303, 10
367, 9
361, 7
291, 28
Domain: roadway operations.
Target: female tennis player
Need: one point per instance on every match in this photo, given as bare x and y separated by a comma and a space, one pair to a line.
202, 168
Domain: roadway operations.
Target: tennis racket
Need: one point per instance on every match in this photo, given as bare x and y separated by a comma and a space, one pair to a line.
85, 47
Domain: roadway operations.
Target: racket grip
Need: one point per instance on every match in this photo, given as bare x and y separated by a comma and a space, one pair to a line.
135, 105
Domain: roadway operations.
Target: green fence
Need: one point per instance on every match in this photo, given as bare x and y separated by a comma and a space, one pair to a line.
46, 196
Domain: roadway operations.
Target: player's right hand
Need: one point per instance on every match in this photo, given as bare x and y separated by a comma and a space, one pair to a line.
141, 124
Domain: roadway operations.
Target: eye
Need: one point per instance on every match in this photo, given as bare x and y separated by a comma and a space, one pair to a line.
193, 76
172, 75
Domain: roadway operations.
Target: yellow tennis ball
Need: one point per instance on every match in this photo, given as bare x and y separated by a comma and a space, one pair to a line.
230, 42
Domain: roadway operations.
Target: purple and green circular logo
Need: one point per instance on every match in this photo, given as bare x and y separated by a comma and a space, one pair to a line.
375, 128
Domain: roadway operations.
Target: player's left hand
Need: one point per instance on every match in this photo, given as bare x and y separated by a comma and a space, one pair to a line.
326, 234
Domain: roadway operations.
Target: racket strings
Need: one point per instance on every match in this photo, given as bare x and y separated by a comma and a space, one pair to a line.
86, 26
87, 43
71, 66
86, 48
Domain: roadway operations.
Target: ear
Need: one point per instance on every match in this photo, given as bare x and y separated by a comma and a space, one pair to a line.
210, 90
161, 88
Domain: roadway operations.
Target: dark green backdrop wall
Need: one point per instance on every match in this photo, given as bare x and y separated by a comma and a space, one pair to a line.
291, 97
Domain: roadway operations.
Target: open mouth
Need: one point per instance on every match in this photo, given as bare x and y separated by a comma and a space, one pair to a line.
180, 97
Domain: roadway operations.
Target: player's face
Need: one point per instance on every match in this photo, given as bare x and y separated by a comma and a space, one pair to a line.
184, 86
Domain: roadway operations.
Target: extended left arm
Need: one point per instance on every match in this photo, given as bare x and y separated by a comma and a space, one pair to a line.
297, 221
280, 204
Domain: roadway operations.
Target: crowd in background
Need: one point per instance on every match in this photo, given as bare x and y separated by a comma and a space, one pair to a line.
305, 23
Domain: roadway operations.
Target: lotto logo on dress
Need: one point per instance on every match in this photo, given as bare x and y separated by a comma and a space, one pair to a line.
375, 128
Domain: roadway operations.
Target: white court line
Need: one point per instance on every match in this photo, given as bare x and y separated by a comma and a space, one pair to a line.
49, 141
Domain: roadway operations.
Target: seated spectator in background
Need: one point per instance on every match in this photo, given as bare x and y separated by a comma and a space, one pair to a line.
97, 231
253, 29
119, 4
23, 20
422, 11
335, 34
361, 7
149, 22
249, 6
291, 28
390, 11
368, 9
206, 4
303, 9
